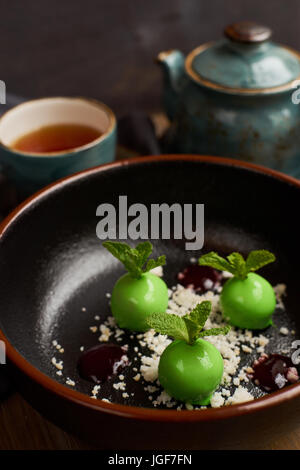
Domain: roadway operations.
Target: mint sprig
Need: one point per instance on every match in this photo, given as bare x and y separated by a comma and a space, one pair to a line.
236, 264
187, 328
135, 259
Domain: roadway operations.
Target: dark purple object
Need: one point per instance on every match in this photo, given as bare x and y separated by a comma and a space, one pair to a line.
272, 372
99, 363
201, 278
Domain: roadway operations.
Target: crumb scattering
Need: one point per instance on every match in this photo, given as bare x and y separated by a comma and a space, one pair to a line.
236, 347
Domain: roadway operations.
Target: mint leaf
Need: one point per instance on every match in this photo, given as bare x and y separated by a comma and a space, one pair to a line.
215, 261
143, 250
200, 313
134, 259
192, 328
187, 328
236, 264
215, 331
126, 255
169, 324
152, 263
259, 258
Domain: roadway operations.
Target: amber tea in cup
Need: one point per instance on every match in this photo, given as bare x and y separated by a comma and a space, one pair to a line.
56, 138
46, 139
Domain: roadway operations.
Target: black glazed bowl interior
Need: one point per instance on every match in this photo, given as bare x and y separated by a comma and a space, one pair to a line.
54, 273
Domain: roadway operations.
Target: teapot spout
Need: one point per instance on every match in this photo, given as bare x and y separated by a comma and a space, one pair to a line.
172, 62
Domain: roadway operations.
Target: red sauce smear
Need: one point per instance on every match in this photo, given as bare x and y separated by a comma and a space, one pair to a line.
202, 278
274, 372
101, 362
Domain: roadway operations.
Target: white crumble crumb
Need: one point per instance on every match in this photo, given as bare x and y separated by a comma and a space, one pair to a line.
83, 309
119, 332
189, 406
262, 341
108, 295
208, 284
59, 372
94, 329
241, 395
292, 375
110, 321
158, 271
151, 388
236, 381
165, 399
137, 377
217, 400
81, 348
96, 317
246, 349
280, 380
125, 395
120, 386
284, 331
70, 382
95, 391
280, 291
57, 364
226, 275
105, 333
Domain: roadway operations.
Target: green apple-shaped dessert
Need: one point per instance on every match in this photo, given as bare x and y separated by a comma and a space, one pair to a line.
190, 368
247, 299
138, 293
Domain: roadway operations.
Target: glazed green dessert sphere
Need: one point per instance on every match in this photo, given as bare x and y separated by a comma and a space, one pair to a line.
133, 300
191, 373
248, 303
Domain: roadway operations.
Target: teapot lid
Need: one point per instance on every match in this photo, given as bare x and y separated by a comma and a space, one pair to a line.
246, 62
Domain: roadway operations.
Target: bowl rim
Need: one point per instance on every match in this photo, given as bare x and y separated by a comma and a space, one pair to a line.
147, 414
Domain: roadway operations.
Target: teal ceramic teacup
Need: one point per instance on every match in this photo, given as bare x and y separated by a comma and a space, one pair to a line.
31, 171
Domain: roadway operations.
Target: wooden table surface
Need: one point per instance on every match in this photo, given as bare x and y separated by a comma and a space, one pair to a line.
24, 428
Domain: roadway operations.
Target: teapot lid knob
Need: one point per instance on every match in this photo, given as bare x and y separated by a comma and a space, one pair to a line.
247, 32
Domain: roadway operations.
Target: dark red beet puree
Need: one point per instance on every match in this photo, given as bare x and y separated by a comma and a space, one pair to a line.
101, 362
274, 372
197, 277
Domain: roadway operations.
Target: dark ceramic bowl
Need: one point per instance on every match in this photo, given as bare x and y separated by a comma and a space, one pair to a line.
52, 264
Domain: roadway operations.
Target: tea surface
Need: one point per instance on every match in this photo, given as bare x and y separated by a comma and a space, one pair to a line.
56, 138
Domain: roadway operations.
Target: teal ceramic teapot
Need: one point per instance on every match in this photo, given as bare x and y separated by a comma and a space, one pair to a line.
235, 97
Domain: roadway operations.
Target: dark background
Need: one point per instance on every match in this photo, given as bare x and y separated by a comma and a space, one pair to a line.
105, 48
